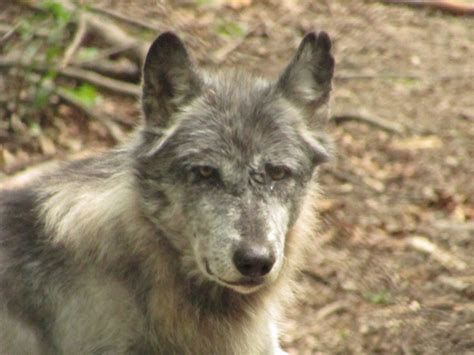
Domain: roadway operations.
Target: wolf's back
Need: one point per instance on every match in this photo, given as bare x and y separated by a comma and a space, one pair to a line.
26, 264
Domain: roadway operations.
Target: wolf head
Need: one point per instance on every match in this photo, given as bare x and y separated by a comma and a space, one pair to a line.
225, 158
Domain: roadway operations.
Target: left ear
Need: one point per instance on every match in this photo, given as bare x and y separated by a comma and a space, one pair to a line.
169, 80
306, 81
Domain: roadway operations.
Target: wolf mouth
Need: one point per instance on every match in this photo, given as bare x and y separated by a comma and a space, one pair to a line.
245, 282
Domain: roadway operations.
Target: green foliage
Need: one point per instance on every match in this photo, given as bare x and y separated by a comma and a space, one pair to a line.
52, 53
34, 129
204, 2
381, 297
87, 53
58, 11
344, 334
26, 30
86, 94
31, 52
42, 49
230, 29
41, 98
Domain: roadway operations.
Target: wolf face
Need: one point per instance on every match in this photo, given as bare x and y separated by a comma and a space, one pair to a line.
225, 159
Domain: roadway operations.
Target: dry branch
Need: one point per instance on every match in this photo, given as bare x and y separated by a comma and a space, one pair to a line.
109, 32
316, 277
451, 6
104, 54
100, 80
413, 76
113, 128
117, 86
456, 283
116, 37
76, 42
323, 313
119, 16
125, 71
5, 28
10, 31
456, 227
390, 127
442, 256
222, 53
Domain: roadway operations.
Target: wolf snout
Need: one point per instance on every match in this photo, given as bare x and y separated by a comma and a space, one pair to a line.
254, 260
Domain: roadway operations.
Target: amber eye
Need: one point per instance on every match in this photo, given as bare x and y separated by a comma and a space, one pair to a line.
206, 171
277, 172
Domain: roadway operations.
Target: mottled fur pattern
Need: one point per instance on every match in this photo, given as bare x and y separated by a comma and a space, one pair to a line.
183, 241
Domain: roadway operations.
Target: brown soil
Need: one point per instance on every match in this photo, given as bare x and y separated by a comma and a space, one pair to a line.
370, 286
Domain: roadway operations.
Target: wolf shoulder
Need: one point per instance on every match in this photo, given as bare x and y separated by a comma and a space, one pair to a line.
16, 230
45, 295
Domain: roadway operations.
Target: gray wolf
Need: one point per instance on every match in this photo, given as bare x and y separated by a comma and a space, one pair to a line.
184, 240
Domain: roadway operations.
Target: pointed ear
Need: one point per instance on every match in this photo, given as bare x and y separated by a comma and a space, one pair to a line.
169, 80
306, 81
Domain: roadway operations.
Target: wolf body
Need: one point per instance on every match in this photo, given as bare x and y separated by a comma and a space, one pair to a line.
186, 239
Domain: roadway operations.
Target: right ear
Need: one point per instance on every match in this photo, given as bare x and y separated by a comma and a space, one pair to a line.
169, 80
306, 81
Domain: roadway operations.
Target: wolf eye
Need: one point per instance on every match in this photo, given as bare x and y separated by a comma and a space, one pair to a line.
277, 172
205, 172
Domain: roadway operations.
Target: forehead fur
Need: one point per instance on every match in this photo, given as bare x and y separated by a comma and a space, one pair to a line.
242, 118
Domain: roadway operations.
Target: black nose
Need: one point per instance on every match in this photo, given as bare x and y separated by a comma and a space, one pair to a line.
254, 261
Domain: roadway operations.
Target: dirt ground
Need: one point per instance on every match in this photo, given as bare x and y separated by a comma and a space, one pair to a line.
392, 271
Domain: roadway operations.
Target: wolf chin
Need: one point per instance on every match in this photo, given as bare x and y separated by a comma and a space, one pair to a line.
184, 240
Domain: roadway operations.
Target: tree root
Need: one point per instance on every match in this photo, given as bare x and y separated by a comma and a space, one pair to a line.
389, 127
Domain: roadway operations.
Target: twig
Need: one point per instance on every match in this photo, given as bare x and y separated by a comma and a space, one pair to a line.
316, 277
442, 256
5, 28
114, 129
222, 53
324, 312
102, 81
458, 227
370, 76
126, 71
119, 16
112, 34
76, 42
451, 6
390, 127
456, 283
115, 36
382, 76
104, 54
9, 33
75, 73
352, 179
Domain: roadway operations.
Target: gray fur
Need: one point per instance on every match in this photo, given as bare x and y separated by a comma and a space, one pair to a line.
133, 252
